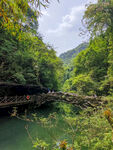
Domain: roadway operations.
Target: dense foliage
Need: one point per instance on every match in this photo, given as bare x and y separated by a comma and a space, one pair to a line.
24, 57
93, 68
65, 128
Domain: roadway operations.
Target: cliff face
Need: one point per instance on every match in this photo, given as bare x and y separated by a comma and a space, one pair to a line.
7, 89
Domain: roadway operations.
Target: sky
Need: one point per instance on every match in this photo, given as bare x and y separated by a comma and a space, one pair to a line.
60, 24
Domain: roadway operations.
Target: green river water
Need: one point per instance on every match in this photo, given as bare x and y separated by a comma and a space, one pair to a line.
13, 135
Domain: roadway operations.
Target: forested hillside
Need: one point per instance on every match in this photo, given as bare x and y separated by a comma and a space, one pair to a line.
24, 57
67, 56
92, 69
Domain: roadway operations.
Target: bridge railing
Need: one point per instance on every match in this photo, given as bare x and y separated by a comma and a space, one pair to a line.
10, 100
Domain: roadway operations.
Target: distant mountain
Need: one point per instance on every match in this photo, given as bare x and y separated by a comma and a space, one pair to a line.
67, 56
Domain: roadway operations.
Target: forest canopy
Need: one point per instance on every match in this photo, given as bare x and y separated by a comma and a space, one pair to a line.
92, 69
24, 57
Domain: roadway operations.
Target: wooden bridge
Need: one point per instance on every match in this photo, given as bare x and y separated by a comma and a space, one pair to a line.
79, 101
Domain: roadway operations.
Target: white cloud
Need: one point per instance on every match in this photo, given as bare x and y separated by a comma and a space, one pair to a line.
68, 21
60, 26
